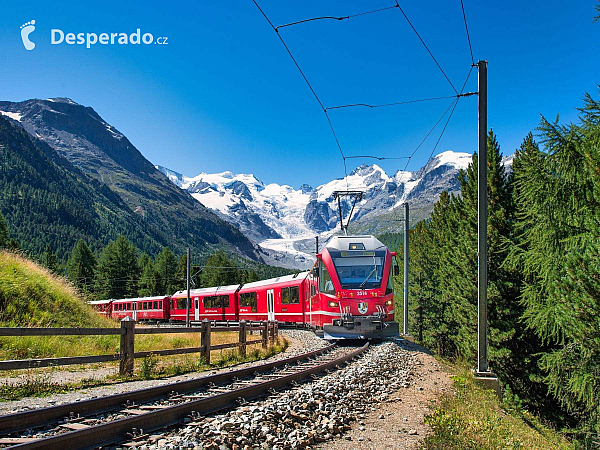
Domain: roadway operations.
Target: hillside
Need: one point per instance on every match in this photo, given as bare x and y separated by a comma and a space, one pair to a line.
152, 211
32, 296
45, 199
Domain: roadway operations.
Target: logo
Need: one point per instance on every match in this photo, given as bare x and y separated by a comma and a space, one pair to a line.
363, 307
26, 30
59, 36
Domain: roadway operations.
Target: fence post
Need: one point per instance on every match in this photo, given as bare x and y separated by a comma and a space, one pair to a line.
264, 333
272, 333
205, 340
243, 338
127, 346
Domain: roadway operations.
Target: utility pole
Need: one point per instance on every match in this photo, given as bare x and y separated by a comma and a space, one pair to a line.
482, 214
405, 305
187, 316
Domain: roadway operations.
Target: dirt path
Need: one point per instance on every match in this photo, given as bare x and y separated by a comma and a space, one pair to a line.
399, 422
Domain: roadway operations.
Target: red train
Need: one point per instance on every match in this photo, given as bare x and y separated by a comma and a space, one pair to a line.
348, 294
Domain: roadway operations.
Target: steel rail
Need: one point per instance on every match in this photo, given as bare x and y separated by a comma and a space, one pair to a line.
120, 430
13, 423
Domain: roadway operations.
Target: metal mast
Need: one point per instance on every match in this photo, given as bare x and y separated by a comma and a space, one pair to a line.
405, 306
482, 214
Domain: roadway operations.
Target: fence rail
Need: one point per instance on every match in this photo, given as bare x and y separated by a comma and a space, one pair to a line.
127, 353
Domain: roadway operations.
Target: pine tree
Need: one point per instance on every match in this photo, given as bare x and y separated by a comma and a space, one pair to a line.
165, 266
3, 232
558, 195
219, 270
150, 279
117, 272
81, 266
49, 260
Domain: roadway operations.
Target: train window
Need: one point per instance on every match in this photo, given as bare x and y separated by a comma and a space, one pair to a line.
294, 295
313, 290
390, 284
359, 272
195, 303
212, 301
225, 301
248, 299
290, 295
285, 296
326, 285
155, 305
182, 303
356, 246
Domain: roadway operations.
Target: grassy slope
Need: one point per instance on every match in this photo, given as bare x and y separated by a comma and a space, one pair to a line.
474, 418
30, 296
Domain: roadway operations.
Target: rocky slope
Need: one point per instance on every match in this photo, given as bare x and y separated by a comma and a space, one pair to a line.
284, 220
104, 155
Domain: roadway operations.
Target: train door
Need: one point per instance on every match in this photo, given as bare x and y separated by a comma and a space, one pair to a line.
196, 309
270, 305
134, 310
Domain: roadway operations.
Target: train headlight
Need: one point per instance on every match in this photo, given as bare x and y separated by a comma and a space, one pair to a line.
389, 303
333, 304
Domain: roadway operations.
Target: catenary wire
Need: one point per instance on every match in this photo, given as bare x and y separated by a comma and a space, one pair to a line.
380, 158
425, 45
335, 17
452, 106
467, 30
329, 108
310, 87
427, 135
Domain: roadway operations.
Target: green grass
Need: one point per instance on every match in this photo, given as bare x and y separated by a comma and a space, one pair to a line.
474, 418
31, 296
38, 383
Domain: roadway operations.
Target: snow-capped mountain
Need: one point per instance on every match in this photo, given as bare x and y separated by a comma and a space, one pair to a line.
284, 220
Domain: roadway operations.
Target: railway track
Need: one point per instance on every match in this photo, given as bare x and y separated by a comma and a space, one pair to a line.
127, 418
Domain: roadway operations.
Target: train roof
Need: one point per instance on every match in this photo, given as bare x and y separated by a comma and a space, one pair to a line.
285, 279
366, 242
98, 302
210, 290
158, 297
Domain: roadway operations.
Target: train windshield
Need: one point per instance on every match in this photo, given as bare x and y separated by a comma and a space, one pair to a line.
359, 272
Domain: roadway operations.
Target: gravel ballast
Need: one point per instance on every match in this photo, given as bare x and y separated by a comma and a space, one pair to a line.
307, 415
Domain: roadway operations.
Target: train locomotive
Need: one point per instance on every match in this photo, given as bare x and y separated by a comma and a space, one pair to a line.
348, 293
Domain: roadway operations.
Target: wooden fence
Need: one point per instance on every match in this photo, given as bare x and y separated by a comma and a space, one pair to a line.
127, 353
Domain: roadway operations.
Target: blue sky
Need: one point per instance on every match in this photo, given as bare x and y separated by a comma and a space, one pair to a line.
224, 94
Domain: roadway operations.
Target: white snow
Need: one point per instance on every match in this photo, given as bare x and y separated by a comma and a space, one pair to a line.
282, 208
12, 115
113, 131
459, 160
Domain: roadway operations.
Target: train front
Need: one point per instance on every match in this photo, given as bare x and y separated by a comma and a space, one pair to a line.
356, 280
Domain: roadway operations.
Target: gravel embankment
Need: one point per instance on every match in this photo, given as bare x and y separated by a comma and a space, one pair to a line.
310, 414
300, 341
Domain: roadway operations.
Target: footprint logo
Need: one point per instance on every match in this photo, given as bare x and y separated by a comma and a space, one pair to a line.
26, 30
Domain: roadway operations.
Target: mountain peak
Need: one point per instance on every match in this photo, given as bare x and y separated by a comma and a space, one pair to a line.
62, 100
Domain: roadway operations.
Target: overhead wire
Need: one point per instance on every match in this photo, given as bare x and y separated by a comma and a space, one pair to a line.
425, 45
380, 158
350, 16
467, 30
310, 87
451, 108
451, 112
406, 102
